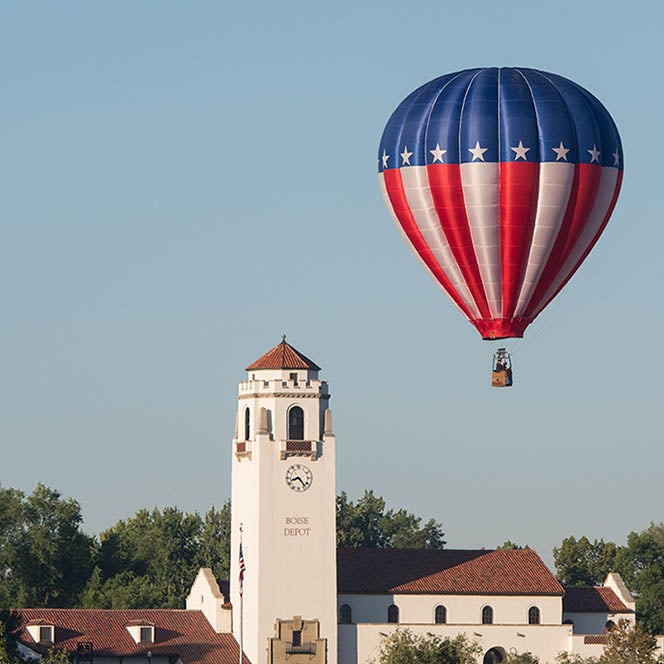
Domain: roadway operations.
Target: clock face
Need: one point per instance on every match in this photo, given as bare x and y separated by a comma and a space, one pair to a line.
299, 477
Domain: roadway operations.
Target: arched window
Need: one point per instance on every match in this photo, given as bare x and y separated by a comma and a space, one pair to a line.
487, 615
393, 613
345, 614
533, 616
247, 424
440, 615
295, 423
609, 625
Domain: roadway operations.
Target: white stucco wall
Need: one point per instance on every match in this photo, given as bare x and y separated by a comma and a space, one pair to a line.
461, 609
289, 537
594, 623
360, 642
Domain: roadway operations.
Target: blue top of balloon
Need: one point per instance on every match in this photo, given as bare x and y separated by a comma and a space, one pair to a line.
482, 114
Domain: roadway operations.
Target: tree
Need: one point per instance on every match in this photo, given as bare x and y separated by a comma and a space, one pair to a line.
405, 647
56, 656
9, 622
508, 544
149, 560
368, 524
568, 658
641, 564
522, 658
629, 644
45, 557
216, 541
584, 563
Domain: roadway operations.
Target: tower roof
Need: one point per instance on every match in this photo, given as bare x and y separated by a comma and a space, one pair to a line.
283, 356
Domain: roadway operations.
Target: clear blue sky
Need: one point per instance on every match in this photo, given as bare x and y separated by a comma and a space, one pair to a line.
183, 182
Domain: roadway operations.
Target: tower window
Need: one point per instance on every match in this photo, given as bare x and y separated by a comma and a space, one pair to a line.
293, 377
393, 613
297, 637
247, 424
533, 616
295, 423
440, 615
345, 614
487, 615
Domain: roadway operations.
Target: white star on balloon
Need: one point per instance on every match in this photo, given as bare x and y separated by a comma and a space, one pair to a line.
405, 156
561, 152
477, 151
385, 157
437, 154
520, 152
594, 154
616, 158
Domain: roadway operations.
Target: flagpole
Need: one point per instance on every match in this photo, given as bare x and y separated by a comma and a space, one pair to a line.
241, 580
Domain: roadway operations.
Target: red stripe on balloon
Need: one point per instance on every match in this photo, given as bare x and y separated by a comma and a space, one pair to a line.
447, 194
518, 205
605, 221
581, 201
394, 188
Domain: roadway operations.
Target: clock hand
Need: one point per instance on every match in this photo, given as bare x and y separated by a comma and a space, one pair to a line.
299, 478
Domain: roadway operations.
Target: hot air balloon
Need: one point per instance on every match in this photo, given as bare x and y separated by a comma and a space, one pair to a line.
501, 180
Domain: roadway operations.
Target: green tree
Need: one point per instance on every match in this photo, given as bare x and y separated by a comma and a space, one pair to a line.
45, 558
629, 644
405, 647
9, 621
216, 541
522, 658
641, 564
56, 656
508, 544
149, 560
568, 658
584, 563
367, 523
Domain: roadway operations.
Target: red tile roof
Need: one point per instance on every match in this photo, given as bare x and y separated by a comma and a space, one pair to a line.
596, 599
283, 356
187, 634
447, 571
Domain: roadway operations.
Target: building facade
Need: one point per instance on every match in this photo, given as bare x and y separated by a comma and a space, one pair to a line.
293, 597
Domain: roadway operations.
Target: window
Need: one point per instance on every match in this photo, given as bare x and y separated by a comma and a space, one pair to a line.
345, 614
293, 377
247, 421
295, 423
146, 635
297, 637
46, 634
609, 625
533, 616
487, 615
393, 613
440, 615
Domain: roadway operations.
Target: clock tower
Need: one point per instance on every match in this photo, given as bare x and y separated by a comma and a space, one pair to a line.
283, 513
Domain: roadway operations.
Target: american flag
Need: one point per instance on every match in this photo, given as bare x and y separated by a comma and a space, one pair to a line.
242, 569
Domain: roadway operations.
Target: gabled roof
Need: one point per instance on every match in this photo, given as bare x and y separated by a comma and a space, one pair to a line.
446, 571
283, 356
177, 632
596, 599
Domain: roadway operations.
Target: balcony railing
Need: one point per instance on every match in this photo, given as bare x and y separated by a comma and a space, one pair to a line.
288, 448
301, 648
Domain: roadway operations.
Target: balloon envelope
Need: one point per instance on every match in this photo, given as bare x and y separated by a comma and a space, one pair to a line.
501, 180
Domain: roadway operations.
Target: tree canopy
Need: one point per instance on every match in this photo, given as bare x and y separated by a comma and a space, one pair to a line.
405, 647
640, 562
368, 523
